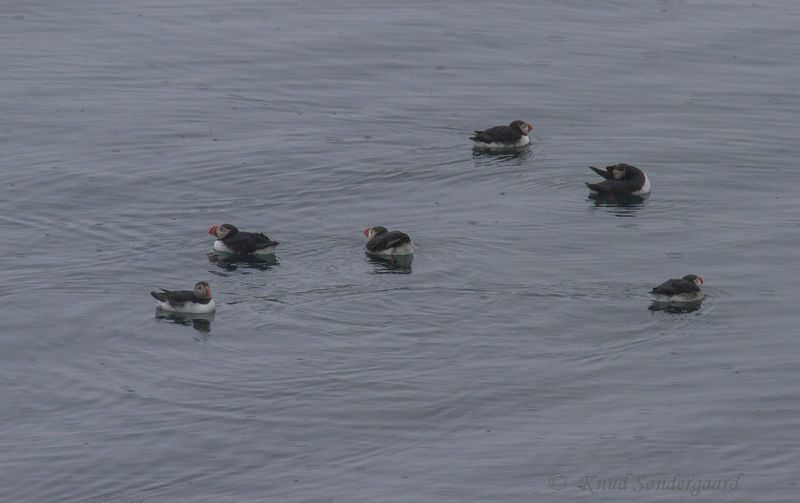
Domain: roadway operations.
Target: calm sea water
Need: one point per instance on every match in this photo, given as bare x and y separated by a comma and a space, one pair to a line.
515, 360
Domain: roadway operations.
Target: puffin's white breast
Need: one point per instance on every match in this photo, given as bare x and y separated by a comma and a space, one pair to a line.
645, 187
220, 246
403, 249
681, 297
269, 250
189, 307
524, 140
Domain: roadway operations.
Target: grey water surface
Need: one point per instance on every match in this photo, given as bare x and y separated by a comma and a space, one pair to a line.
515, 359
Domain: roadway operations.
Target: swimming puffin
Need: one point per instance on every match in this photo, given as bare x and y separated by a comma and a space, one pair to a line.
686, 289
383, 242
232, 240
513, 135
184, 301
621, 180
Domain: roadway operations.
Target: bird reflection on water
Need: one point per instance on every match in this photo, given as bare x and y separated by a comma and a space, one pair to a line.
675, 307
200, 322
621, 206
231, 262
396, 264
504, 154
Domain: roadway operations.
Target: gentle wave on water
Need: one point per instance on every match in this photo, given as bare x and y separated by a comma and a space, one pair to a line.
517, 343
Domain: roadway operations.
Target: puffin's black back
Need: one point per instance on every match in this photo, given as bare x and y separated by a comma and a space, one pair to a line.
386, 240
502, 134
177, 296
676, 286
247, 242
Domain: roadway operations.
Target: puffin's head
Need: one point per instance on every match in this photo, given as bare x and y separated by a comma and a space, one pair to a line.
371, 231
222, 231
522, 126
697, 280
619, 171
202, 291
624, 171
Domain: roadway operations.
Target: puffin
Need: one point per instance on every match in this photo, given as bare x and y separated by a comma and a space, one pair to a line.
185, 301
232, 240
620, 180
686, 289
513, 135
389, 243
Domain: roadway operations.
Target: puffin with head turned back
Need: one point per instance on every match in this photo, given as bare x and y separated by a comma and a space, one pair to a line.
381, 241
686, 289
513, 135
186, 301
232, 240
621, 180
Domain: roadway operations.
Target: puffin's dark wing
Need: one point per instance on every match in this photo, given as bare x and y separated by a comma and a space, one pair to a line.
248, 242
386, 240
502, 134
266, 242
602, 187
258, 240
174, 297
607, 174
674, 287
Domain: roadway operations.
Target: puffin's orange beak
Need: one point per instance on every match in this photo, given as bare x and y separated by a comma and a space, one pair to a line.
208, 291
366, 231
530, 128
213, 231
701, 280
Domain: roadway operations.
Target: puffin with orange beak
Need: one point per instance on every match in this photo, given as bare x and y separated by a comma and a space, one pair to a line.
232, 240
498, 137
686, 289
186, 301
388, 243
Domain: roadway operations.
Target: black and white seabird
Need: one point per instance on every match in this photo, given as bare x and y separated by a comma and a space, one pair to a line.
513, 135
185, 301
686, 289
621, 180
232, 240
383, 242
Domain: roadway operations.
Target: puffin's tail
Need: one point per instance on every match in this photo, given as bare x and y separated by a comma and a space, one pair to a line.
477, 136
162, 296
605, 174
